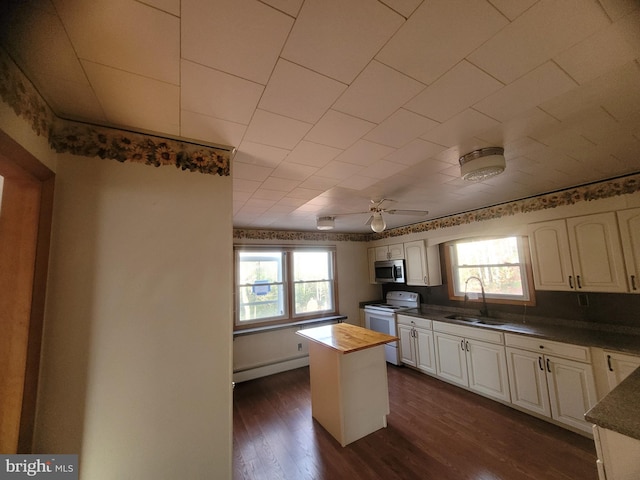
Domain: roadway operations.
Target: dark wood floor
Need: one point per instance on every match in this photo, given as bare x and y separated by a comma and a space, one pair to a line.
435, 431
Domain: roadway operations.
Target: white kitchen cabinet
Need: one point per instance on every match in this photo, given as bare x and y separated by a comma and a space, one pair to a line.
619, 366
558, 383
629, 224
422, 264
371, 259
390, 252
578, 253
617, 455
416, 343
473, 358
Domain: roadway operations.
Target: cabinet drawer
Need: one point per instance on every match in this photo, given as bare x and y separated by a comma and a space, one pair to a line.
417, 322
549, 347
469, 332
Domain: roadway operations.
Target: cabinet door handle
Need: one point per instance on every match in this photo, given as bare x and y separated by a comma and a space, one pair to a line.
609, 363
462, 345
578, 280
548, 366
633, 283
467, 343
571, 281
426, 282
540, 363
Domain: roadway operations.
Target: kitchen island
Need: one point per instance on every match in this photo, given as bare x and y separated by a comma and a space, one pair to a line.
348, 373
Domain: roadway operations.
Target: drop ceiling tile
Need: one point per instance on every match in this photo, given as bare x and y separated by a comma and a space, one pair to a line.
338, 130
534, 122
340, 49
339, 170
82, 105
297, 92
594, 56
403, 7
259, 154
258, 204
241, 185
169, 6
621, 82
628, 27
290, 7
292, 202
126, 35
358, 182
364, 153
136, 102
281, 184
377, 92
456, 90
314, 182
38, 40
275, 130
454, 131
400, 128
383, 169
619, 8
248, 171
218, 94
264, 194
294, 171
545, 82
415, 152
241, 38
417, 49
304, 193
543, 31
512, 8
313, 154
209, 129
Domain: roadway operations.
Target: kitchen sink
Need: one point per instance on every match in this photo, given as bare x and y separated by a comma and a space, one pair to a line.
480, 320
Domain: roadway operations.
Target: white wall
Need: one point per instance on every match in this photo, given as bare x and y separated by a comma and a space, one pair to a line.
136, 368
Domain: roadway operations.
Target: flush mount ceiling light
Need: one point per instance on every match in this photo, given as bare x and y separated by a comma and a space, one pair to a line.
482, 164
325, 223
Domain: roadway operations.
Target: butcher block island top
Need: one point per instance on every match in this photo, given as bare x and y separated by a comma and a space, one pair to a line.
348, 373
346, 338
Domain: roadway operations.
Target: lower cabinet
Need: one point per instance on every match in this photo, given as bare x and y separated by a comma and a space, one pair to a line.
551, 385
619, 366
416, 343
472, 358
617, 455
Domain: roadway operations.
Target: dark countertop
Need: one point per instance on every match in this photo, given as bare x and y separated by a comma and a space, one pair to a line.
618, 338
620, 409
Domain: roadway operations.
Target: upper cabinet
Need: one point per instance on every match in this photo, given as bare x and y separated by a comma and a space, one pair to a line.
422, 264
629, 223
390, 252
579, 253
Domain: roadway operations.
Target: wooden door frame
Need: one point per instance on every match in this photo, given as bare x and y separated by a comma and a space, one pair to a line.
27, 176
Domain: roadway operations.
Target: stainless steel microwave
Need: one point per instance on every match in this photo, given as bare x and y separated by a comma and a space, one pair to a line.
390, 271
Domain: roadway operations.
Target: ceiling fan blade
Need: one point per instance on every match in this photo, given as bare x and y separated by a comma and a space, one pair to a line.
407, 212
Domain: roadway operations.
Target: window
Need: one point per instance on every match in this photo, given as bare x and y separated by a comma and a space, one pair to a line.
501, 265
280, 284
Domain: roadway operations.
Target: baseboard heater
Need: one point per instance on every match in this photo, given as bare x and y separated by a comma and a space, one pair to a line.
270, 368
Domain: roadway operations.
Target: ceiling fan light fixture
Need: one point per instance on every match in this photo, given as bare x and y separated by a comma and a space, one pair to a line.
378, 224
482, 164
326, 223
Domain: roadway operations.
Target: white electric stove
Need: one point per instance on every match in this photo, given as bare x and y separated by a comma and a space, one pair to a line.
381, 317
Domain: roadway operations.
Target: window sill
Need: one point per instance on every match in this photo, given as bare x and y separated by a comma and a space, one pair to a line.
282, 326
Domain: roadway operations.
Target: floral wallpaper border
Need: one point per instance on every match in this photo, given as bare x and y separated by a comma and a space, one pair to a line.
88, 140
606, 189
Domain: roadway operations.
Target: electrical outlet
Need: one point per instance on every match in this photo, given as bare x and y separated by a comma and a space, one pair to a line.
299, 347
583, 300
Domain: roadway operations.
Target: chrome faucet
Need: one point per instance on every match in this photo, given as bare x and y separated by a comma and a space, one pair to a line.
484, 311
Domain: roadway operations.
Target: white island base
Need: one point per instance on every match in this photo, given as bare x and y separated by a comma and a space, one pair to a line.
349, 390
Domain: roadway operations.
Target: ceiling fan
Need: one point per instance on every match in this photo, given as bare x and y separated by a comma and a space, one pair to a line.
375, 221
